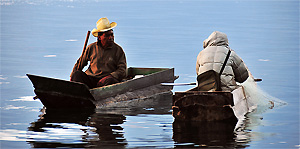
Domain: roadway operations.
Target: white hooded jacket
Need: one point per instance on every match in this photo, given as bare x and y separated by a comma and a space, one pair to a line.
213, 56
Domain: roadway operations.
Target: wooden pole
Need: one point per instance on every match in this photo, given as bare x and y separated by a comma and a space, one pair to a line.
84, 47
86, 40
257, 80
177, 84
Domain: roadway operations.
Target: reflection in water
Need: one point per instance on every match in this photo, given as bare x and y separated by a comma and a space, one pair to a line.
108, 128
205, 134
97, 128
245, 128
76, 129
105, 127
219, 134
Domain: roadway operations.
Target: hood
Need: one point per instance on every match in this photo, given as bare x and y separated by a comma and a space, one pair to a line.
216, 39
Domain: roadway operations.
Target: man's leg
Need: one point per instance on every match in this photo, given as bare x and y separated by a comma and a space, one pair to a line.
80, 76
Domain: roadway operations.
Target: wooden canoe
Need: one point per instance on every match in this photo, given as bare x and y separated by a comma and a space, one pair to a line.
58, 94
194, 105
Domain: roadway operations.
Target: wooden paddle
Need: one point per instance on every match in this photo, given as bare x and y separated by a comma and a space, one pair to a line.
193, 83
177, 84
84, 46
257, 80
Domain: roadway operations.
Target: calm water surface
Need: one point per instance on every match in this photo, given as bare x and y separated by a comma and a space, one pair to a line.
46, 38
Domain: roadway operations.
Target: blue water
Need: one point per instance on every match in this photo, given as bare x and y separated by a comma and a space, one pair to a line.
46, 38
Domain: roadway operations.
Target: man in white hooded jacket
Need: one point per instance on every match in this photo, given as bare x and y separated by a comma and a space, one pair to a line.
216, 47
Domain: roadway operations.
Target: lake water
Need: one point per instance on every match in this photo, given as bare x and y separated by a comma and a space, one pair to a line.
46, 38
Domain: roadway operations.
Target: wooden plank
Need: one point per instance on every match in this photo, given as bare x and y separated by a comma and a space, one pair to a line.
144, 71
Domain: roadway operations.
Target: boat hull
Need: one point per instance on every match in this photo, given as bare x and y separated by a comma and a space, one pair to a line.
203, 106
151, 76
59, 94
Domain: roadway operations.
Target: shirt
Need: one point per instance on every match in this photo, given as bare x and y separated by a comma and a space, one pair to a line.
103, 62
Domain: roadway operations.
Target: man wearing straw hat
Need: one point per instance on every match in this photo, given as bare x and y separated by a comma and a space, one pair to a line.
107, 59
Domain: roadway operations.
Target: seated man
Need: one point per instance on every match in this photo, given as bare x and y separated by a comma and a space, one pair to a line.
107, 59
212, 58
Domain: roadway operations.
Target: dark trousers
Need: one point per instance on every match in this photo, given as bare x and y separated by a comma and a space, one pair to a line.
91, 81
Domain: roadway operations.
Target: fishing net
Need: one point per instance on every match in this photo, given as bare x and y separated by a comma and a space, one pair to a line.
249, 112
259, 99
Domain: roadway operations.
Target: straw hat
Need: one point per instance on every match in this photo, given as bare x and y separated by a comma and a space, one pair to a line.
102, 26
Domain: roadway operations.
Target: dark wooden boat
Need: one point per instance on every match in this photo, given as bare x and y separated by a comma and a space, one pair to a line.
194, 105
57, 94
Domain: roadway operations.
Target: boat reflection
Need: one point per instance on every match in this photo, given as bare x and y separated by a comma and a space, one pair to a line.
96, 128
105, 128
217, 134
203, 134
76, 129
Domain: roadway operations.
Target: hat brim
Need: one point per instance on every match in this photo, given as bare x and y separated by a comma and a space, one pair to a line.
96, 31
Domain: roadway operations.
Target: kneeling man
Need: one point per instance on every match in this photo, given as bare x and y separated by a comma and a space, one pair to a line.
107, 59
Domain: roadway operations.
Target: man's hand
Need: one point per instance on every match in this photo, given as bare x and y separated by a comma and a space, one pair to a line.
108, 80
